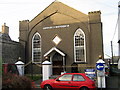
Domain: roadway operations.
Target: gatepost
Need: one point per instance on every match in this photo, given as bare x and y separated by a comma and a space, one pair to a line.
100, 66
20, 67
46, 70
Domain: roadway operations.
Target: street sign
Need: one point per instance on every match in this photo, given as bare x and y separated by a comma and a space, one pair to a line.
90, 72
100, 66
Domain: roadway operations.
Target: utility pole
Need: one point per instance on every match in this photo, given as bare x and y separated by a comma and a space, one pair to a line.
112, 51
119, 27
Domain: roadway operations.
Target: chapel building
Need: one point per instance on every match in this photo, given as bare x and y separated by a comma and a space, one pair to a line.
64, 36
10, 50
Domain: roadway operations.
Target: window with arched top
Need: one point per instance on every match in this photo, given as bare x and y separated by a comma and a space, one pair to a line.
79, 46
36, 48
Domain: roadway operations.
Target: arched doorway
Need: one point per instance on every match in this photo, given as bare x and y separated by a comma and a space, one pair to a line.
57, 62
57, 57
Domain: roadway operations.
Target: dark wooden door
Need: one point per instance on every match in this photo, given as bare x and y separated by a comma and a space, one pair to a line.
57, 67
57, 64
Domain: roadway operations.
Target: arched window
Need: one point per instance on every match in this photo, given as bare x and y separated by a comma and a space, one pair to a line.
79, 46
36, 48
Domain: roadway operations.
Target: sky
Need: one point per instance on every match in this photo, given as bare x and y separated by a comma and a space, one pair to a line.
13, 11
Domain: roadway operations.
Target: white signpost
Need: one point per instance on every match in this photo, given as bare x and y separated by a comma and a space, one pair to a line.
100, 66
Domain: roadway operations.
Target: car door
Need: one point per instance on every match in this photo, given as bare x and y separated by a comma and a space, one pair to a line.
63, 81
77, 81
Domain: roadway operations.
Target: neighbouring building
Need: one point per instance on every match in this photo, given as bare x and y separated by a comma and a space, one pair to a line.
64, 36
10, 50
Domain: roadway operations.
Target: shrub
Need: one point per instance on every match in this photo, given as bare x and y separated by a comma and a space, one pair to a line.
12, 81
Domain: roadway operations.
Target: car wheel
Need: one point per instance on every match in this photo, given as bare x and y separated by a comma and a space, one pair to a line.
84, 88
47, 87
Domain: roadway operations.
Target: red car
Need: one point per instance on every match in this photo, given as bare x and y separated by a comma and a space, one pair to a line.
70, 81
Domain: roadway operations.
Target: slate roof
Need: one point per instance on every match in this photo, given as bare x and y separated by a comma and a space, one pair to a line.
4, 36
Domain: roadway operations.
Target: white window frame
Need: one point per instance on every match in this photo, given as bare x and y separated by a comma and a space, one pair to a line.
39, 48
84, 46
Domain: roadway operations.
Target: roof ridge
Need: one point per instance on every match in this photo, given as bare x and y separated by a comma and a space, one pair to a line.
56, 1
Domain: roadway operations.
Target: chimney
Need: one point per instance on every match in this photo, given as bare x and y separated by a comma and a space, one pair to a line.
94, 16
5, 29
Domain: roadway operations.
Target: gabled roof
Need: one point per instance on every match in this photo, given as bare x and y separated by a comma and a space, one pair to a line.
58, 8
54, 49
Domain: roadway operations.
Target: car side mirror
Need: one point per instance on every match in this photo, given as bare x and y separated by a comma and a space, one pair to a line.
57, 80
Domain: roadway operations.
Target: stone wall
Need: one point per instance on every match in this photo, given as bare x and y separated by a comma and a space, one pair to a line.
11, 51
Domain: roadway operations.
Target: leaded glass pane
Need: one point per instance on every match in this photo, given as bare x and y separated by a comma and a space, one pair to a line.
79, 45
36, 50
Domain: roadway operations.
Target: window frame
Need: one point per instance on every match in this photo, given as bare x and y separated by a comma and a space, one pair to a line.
65, 79
40, 61
84, 46
77, 79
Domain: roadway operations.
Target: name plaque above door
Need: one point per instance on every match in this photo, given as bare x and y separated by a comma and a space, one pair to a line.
54, 27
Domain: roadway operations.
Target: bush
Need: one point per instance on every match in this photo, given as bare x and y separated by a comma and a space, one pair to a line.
12, 81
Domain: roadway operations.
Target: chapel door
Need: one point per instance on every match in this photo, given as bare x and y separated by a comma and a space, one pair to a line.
57, 62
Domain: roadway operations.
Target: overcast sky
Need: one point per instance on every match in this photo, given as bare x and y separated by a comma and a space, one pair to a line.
13, 11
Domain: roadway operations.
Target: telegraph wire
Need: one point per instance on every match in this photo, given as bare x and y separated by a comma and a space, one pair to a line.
114, 36
116, 23
115, 28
